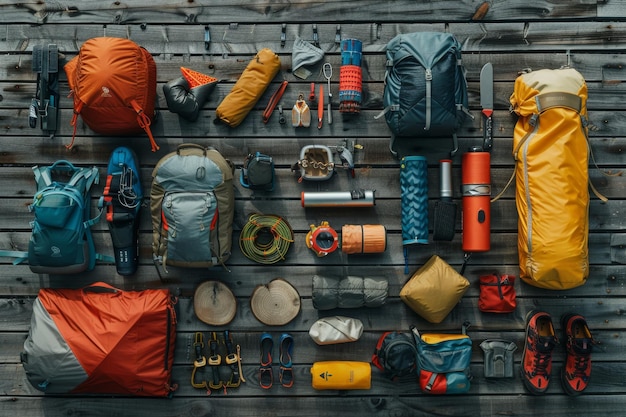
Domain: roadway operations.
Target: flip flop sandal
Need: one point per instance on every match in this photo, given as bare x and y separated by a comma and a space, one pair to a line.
286, 364
266, 378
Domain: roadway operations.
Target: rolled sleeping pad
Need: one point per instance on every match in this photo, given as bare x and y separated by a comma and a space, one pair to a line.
366, 238
414, 199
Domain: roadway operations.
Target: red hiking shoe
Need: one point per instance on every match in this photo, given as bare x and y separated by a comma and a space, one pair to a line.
578, 345
537, 357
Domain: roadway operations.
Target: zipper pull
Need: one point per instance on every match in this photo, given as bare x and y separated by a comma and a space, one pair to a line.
415, 332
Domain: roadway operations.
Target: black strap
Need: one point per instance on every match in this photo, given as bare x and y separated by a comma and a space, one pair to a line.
120, 208
498, 283
215, 361
44, 106
466, 258
232, 359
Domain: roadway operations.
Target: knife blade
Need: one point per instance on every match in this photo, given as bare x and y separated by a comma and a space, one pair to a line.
486, 102
320, 108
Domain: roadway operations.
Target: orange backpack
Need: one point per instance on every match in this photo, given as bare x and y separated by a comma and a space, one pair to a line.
113, 83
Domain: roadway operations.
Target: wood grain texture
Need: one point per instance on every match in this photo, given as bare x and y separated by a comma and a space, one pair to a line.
589, 35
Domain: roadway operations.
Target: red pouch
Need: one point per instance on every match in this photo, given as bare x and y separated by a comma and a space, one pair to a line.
497, 294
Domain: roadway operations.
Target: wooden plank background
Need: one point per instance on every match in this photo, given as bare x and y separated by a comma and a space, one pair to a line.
589, 35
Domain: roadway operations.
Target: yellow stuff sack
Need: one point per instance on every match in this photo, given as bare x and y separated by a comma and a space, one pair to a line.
434, 290
342, 375
249, 88
551, 170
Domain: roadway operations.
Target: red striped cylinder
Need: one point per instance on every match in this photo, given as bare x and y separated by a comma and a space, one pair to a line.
350, 88
350, 76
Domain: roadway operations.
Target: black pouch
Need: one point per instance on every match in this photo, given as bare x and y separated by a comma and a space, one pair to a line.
258, 172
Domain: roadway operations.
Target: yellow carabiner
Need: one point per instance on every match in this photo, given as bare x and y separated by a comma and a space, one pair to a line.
200, 360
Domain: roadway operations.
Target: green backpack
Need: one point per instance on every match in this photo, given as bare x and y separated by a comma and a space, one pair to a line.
192, 205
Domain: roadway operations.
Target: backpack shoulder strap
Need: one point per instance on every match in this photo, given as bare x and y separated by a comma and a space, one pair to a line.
42, 177
89, 177
547, 101
83, 179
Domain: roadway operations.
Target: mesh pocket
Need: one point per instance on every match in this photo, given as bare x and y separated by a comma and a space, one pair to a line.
191, 218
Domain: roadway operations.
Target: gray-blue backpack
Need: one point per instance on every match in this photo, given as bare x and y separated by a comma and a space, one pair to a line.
192, 205
61, 240
425, 87
395, 354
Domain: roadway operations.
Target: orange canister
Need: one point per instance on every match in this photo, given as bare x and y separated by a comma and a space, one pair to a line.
476, 190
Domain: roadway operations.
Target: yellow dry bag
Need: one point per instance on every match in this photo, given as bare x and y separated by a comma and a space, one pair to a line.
552, 196
343, 375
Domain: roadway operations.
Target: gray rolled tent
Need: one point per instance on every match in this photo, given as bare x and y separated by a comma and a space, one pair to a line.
349, 292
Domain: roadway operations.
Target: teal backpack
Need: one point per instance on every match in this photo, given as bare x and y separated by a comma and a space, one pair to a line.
61, 240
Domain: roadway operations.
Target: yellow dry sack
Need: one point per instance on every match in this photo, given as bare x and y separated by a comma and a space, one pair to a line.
551, 171
249, 88
342, 375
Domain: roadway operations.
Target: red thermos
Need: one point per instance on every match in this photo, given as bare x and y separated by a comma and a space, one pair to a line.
476, 190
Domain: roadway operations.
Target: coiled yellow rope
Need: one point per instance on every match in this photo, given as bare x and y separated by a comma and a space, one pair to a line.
273, 248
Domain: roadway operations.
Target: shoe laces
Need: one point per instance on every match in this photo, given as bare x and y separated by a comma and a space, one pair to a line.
581, 366
540, 364
127, 195
543, 356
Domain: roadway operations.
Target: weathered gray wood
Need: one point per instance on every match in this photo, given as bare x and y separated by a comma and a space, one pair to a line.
503, 217
610, 379
503, 250
394, 315
608, 151
594, 66
604, 124
375, 405
587, 34
609, 345
379, 175
608, 9
229, 38
603, 95
188, 12
18, 281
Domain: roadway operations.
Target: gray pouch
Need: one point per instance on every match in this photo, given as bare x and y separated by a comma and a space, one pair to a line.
498, 358
304, 53
336, 329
